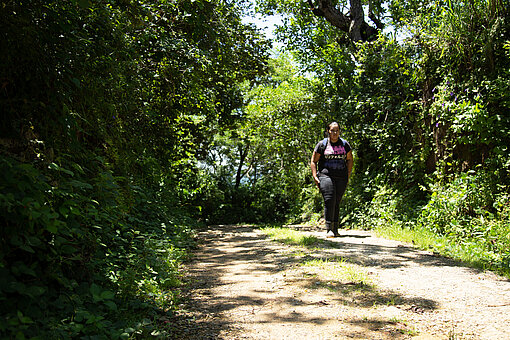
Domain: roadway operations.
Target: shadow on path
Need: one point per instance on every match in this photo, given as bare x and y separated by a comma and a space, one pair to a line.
237, 270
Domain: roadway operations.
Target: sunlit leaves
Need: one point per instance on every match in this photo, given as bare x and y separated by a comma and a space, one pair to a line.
280, 115
108, 107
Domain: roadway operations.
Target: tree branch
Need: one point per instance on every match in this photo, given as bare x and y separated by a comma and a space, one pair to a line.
354, 24
373, 17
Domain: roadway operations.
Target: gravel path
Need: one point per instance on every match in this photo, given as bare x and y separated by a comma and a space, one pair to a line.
243, 286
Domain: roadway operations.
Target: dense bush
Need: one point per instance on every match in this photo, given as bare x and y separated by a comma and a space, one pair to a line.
76, 253
107, 108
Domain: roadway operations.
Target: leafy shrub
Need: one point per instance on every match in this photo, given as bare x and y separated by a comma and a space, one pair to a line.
452, 205
76, 252
312, 207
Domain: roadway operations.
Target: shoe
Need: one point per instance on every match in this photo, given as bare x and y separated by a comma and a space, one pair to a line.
330, 234
335, 229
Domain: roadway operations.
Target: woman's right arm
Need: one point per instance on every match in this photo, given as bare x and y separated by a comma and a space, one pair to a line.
313, 165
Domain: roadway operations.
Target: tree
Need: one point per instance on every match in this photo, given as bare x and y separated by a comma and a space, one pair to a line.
353, 22
107, 108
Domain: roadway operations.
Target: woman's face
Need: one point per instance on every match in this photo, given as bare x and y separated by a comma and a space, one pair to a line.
334, 132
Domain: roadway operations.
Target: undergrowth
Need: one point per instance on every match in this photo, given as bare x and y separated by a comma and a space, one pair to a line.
85, 254
467, 219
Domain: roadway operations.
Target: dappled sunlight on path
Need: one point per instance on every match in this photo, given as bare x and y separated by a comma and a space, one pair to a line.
243, 286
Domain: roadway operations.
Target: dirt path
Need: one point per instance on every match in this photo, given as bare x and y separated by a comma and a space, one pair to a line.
244, 286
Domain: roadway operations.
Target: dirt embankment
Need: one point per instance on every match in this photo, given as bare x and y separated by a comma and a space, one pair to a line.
243, 286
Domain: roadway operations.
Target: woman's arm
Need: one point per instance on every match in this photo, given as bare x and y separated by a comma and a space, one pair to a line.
350, 162
313, 165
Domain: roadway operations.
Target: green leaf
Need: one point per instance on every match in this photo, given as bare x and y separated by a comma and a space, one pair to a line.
24, 319
52, 228
82, 315
54, 166
27, 248
64, 211
34, 241
35, 291
26, 270
68, 249
111, 305
107, 295
95, 289
79, 184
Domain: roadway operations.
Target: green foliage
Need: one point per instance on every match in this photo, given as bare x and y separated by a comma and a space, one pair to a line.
463, 218
427, 115
312, 203
469, 194
108, 107
469, 210
261, 164
74, 257
386, 128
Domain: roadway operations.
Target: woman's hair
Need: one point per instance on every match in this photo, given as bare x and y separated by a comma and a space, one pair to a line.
332, 123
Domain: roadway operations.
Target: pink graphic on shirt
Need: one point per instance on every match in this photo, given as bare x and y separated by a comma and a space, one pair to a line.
334, 150
335, 156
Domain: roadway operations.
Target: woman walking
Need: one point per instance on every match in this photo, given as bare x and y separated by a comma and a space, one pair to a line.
331, 166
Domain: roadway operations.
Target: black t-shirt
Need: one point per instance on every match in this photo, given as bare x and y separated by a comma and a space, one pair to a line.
333, 157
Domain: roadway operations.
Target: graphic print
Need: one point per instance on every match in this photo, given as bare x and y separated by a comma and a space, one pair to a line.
335, 156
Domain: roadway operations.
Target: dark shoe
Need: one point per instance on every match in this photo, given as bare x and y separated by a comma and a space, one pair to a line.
334, 228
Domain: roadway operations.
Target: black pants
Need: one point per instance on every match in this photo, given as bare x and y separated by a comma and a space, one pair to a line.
332, 189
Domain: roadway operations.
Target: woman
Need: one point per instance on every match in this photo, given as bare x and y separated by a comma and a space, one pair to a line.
331, 166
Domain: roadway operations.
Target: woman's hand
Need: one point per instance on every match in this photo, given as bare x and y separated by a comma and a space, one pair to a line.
317, 181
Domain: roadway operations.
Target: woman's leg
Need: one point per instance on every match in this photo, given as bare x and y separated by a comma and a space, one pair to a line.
340, 186
328, 191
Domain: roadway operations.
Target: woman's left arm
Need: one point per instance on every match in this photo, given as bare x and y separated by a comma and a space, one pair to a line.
350, 162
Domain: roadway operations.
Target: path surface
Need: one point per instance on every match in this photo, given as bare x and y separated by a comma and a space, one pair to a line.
244, 286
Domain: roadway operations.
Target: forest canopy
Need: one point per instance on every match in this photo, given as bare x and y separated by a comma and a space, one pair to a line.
127, 125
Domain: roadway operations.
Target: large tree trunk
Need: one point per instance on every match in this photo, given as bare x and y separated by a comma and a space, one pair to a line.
357, 19
353, 24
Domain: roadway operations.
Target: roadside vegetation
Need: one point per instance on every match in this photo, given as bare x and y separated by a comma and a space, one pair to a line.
129, 124
106, 108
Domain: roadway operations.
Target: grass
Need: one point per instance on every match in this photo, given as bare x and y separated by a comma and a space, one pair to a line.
338, 270
291, 237
470, 253
351, 281
334, 269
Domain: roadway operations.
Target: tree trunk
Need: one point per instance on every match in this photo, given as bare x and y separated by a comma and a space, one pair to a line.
243, 152
357, 19
353, 24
